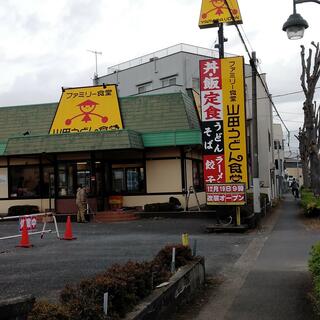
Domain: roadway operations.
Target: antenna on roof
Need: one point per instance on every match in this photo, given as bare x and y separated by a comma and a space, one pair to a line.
95, 75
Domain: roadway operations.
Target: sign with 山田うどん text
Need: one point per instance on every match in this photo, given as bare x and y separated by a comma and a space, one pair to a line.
223, 128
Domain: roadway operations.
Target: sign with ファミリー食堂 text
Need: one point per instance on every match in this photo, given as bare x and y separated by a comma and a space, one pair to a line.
223, 125
87, 109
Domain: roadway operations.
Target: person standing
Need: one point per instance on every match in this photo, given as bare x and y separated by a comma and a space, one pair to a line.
81, 202
295, 188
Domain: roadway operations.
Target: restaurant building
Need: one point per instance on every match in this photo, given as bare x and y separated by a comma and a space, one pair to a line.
155, 151
156, 154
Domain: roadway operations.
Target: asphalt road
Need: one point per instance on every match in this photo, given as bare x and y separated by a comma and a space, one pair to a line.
47, 267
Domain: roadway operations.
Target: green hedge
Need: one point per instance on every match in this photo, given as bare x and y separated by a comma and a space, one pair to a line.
314, 267
310, 203
126, 285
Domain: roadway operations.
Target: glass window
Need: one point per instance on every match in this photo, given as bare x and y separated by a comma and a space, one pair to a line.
135, 179
145, 87
195, 83
25, 182
197, 173
118, 180
169, 82
65, 180
127, 179
84, 174
48, 182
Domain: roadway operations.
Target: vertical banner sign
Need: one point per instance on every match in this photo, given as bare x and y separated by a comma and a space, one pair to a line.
214, 12
224, 130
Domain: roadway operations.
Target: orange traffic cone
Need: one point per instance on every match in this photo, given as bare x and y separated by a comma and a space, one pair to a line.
24, 243
68, 233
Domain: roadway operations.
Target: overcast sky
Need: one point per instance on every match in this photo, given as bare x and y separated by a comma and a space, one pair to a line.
44, 43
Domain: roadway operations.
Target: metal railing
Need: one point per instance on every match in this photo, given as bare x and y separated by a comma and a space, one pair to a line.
182, 47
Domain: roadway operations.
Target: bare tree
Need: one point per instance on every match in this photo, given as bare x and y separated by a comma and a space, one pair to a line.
309, 135
304, 156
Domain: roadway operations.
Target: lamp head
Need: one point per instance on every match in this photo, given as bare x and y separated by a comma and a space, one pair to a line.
295, 26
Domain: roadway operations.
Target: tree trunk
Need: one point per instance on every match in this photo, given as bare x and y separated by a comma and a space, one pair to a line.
306, 174
309, 135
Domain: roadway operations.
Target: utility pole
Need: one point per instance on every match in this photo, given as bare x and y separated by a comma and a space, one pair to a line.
255, 149
221, 41
95, 75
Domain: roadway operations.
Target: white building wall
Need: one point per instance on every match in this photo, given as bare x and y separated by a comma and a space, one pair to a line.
278, 151
185, 67
265, 131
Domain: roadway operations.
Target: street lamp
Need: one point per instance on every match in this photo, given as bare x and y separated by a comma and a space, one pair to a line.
295, 25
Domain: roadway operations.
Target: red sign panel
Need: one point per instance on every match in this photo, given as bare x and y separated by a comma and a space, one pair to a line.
30, 221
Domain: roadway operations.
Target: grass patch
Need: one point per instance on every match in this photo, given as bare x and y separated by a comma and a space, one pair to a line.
310, 203
314, 267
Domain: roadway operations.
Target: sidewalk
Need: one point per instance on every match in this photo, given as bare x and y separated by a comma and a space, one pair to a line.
271, 279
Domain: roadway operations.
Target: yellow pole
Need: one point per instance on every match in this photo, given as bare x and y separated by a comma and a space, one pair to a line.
185, 240
238, 216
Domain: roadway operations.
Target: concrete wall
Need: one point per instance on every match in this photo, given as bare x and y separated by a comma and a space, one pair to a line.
184, 66
41, 203
163, 176
265, 130
162, 302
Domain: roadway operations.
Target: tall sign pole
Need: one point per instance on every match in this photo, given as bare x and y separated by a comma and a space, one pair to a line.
221, 41
223, 114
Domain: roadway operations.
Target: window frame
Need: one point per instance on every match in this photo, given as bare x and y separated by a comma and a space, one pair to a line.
10, 181
167, 81
144, 87
198, 164
125, 167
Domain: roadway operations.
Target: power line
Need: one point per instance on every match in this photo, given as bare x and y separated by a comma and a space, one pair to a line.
254, 66
296, 113
290, 93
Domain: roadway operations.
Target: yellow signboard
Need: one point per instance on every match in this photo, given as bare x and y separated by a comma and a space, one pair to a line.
224, 130
87, 109
234, 119
214, 12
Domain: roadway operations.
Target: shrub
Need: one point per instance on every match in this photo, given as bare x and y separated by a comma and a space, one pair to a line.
126, 285
314, 261
183, 256
310, 203
314, 267
44, 310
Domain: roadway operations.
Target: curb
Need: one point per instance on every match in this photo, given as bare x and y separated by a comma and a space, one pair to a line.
181, 288
16, 308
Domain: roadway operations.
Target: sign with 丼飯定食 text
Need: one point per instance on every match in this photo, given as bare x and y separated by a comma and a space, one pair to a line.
87, 109
223, 126
214, 12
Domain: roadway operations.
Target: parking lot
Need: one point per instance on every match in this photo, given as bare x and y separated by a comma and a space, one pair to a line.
44, 269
